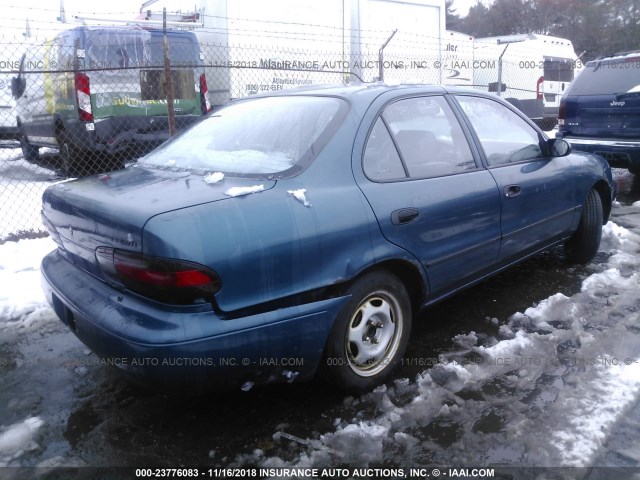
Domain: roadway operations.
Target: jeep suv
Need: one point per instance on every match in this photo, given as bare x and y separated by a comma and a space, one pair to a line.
600, 111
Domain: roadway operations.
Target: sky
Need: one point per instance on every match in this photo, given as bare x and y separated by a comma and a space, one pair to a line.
14, 12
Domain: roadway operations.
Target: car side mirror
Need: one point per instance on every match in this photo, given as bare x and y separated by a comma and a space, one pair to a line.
559, 147
18, 85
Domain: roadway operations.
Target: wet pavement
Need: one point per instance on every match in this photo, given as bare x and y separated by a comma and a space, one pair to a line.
95, 417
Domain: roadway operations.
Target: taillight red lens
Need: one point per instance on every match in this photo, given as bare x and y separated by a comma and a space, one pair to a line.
562, 111
204, 95
161, 279
83, 92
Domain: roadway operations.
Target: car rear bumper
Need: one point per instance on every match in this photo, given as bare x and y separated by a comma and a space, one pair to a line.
115, 134
620, 153
187, 347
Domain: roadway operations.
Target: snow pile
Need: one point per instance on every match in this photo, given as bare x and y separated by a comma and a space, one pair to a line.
19, 268
596, 406
237, 191
546, 391
18, 438
21, 193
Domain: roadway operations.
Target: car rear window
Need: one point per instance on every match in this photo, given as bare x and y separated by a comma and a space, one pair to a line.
620, 75
263, 136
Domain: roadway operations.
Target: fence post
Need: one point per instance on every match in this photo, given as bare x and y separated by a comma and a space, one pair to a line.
499, 86
381, 57
168, 79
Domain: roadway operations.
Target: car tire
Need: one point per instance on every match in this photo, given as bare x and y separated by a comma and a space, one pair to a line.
69, 157
583, 245
370, 334
29, 152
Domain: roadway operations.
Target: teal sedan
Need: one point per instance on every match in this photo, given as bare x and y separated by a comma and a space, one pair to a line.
299, 233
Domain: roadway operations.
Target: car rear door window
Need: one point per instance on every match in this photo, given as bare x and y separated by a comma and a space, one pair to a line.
429, 137
505, 137
381, 160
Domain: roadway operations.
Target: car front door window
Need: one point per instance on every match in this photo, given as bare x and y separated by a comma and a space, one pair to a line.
505, 137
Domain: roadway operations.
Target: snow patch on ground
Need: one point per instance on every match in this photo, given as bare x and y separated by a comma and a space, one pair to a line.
596, 407
18, 438
545, 392
21, 297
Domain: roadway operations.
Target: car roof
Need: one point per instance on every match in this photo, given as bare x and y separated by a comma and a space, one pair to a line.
369, 90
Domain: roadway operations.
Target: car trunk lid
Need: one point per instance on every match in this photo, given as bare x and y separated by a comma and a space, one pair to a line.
111, 210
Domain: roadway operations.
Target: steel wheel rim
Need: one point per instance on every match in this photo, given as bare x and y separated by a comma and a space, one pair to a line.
373, 334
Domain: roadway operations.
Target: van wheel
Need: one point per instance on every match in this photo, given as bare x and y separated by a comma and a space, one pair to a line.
369, 335
69, 157
29, 152
583, 245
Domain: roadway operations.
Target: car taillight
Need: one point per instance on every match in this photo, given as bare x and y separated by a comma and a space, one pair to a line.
562, 112
204, 95
540, 88
162, 279
83, 92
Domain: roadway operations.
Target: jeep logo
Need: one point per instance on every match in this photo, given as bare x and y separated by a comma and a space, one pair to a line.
617, 104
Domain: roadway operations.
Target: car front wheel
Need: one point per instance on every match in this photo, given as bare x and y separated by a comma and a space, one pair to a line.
370, 334
583, 245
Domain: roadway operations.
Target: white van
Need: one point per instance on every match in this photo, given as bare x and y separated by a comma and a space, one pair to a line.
8, 127
92, 90
536, 70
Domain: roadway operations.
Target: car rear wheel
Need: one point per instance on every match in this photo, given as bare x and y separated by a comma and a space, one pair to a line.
70, 157
583, 245
29, 152
369, 335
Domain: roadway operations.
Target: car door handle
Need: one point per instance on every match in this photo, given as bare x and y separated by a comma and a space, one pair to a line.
404, 216
511, 191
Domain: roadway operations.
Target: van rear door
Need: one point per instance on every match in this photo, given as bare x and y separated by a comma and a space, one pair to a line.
558, 74
126, 72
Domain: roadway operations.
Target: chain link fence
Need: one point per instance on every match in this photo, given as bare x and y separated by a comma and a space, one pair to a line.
90, 100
